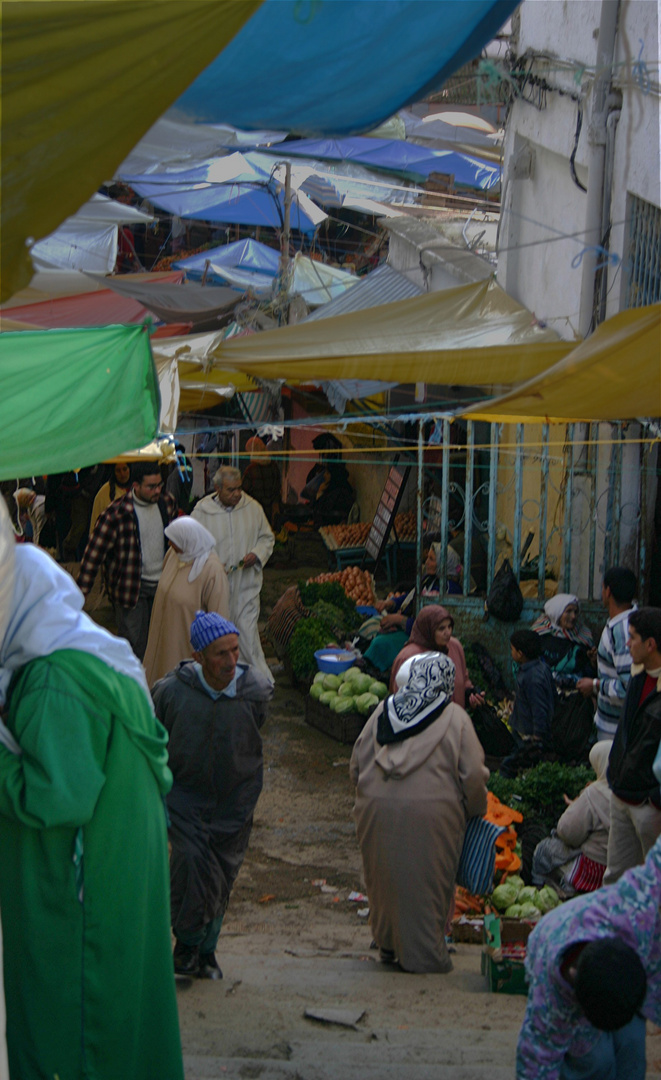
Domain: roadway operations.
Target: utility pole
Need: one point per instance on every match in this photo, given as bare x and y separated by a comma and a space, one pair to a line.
284, 240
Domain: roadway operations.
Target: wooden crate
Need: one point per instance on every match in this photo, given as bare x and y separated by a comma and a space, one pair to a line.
345, 727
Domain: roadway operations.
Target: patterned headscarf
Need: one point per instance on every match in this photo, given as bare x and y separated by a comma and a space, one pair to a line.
420, 701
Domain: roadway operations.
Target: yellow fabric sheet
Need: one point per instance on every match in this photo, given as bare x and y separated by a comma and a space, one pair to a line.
613, 375
475, 335
81, 83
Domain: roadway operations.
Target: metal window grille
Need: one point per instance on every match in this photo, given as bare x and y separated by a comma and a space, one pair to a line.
644, 284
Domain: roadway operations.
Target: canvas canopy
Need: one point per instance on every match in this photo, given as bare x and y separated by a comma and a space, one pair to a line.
475, 335
170, 142
338, 68
204, 307
106, 72
613, 375
200, 384
71, 398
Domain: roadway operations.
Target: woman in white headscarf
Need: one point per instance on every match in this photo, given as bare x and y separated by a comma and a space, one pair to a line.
567, 645
411, 828
193, 579
84, 877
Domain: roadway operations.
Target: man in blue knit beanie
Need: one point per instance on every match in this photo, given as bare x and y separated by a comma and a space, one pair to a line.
213, 708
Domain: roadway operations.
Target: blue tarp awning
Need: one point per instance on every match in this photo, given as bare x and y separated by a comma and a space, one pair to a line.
395, 156
259, 203
338, 67
245, 264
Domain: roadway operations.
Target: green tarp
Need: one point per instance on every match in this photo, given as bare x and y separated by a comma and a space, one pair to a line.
74, 397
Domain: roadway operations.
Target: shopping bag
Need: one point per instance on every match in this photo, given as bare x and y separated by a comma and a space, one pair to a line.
478, 856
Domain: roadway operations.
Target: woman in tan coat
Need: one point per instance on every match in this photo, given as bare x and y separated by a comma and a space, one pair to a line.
193, 579
420, 775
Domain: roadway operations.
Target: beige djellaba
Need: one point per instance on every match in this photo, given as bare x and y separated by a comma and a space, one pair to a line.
413, 799
176, 601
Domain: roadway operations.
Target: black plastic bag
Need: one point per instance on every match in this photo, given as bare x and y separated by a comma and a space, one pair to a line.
571, 728
505, 600
495, 737
489, 670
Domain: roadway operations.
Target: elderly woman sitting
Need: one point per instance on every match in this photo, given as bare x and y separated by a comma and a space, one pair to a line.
411, 829
567, 645
574, 857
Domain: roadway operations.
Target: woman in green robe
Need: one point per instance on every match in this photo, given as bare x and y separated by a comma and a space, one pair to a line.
84, 882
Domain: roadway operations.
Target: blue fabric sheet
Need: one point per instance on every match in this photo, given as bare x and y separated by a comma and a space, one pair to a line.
341, 66
396, 156
237, 204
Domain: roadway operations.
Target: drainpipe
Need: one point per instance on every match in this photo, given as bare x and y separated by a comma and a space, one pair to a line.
597, 138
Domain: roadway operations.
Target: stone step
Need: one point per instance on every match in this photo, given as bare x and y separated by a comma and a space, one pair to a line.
384, 1055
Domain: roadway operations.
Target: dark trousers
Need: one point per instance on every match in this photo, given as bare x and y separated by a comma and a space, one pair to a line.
619, 1055
133, 623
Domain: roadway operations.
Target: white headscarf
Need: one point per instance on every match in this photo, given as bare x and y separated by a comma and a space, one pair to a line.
557, 605
195, 541
7, 548
46, 615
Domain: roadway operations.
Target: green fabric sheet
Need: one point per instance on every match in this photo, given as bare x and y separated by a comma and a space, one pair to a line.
71, 398
84, 879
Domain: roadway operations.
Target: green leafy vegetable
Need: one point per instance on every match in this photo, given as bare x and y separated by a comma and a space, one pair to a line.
365, 703
309, 635
538, 792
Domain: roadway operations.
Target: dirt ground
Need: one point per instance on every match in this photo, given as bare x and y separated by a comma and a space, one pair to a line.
291, 944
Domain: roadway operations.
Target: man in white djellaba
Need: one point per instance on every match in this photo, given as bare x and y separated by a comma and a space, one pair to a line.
244, 542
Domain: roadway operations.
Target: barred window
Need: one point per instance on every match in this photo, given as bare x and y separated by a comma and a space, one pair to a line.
644, 262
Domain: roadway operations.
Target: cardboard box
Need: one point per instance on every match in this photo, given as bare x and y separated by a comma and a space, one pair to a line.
504, 952
468, 929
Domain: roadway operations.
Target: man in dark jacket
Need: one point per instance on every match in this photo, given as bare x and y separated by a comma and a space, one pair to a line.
534, 703
635, 792
213, 708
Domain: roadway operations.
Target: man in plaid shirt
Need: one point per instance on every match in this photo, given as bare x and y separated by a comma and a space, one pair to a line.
128, 542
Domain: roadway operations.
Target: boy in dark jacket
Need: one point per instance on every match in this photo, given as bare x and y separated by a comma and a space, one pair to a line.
635, 792
534, 703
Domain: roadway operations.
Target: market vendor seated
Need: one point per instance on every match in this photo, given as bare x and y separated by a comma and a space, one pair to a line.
398, 611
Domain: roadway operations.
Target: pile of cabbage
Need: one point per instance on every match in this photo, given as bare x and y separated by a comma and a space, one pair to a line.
516, 900
352, 691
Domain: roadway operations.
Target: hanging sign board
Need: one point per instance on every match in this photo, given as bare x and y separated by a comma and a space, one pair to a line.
391, 496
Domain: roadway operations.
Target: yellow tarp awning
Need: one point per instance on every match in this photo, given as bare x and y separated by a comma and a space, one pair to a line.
475, 335
81, 83
613, 375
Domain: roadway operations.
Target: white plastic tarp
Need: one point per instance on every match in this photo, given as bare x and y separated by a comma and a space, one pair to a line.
88, 239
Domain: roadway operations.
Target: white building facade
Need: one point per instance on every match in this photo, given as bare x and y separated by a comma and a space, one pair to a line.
580, 240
